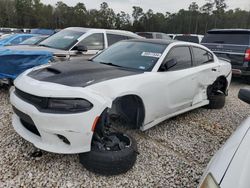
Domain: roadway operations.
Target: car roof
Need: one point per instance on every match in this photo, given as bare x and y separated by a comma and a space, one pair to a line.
152, 32
232, 31
122, 32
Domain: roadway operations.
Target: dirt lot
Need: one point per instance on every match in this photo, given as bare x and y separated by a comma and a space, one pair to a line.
172, 154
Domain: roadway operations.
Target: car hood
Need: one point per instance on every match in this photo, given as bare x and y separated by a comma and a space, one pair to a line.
80, 74
37, 48
231, 164
237, 174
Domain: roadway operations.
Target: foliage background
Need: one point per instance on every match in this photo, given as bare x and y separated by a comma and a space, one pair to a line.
195, 19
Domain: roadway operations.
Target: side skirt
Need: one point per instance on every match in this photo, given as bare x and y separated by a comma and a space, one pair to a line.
159, 120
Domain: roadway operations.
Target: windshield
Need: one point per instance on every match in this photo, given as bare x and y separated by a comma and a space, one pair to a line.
227, 38
32, 41
62, 40
132, 54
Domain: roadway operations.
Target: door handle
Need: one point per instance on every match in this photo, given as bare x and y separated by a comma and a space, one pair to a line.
214, 69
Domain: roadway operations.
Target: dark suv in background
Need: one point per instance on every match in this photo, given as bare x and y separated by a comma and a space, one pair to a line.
232, 44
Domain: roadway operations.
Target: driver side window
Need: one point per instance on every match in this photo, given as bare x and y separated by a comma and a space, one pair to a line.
93, 42
182, 56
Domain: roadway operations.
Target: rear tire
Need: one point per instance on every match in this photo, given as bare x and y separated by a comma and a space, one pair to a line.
111, 161
216, 101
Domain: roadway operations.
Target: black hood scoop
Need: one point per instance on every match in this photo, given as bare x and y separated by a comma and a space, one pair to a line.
80, 74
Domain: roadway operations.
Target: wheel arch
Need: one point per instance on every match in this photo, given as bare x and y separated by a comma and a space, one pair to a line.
220, 84
131, 108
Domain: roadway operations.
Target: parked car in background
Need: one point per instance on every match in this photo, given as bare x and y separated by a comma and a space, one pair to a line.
69, 43
10, 30
14, 62
77, 42
43, 31
230, 167
26, 30
3, 35
154, 35
34, 40
189, 38
233, 44
171, 35
15, 39
66, 107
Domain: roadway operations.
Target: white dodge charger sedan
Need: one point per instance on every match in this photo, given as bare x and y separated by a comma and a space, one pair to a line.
60, 107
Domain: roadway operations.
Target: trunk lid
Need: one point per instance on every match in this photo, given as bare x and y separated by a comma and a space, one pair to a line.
228, 44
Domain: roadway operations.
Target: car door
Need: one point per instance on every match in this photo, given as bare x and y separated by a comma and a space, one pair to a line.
179, 82
207, 71
94, 43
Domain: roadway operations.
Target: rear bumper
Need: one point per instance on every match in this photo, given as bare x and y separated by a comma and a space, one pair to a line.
240, 70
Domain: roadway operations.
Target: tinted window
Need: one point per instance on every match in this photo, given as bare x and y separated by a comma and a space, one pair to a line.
187, 38
93, 42
158, 36
202, 56
130, 54
146, 35
227, 38
115, 38
182, 56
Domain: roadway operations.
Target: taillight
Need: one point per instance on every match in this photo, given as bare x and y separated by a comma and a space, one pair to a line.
247, 55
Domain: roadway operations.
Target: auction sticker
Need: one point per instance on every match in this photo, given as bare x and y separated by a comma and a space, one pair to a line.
68, 37
151, 54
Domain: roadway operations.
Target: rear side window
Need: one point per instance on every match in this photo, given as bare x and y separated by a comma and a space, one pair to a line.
227, 38
201, 56
112, 38
187, 38
182, 56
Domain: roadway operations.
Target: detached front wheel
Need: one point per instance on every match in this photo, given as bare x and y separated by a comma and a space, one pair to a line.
113, 154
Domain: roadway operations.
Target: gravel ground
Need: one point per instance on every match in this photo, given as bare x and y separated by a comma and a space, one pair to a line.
172, 154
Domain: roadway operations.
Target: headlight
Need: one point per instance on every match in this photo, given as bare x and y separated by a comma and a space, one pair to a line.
68, 105
209, 182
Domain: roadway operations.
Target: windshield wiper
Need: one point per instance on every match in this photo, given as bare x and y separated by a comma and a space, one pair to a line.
111, 64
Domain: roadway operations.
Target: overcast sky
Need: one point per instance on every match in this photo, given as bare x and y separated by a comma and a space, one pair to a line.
156, 5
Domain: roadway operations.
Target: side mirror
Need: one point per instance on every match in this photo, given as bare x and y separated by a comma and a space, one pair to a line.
244, 95
168, 64
81, 48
